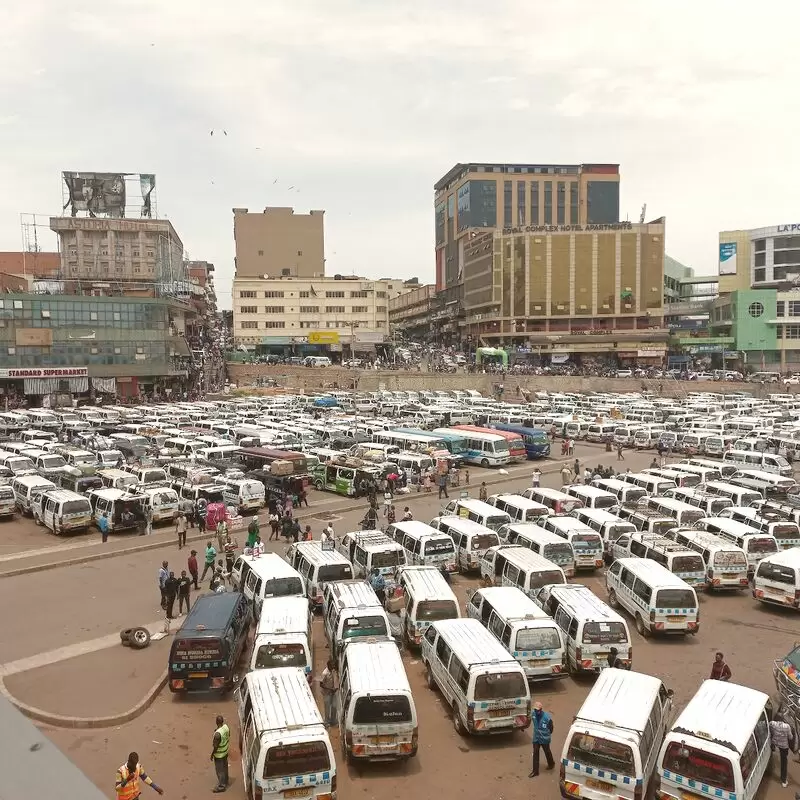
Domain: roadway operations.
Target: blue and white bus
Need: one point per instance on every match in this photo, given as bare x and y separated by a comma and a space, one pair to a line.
483, 449
537, 444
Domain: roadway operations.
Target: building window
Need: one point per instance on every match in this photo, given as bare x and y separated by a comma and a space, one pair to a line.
379, 324
380, 294
309, 309
548, 202
334, 294
360, 309
273, 294
380, 309
791, 331
249, 310
261, 252
299, 252
359, 294
310, 325
271, 324
755, 309
250, 324
273, 309
794, 308
760, 245
522, 197
507, 221
334, 309
248, 295
761, 259
535, 203
780, 308
305, 294
760, 275
573, 203
561, 193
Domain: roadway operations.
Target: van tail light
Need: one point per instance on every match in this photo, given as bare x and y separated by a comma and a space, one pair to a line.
578, 655
414, 738
637, 792
797, 594
348, 738
333, 784
257, 792
470, 717
630, 655
652, 616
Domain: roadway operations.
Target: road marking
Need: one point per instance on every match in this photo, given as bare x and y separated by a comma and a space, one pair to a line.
70, 651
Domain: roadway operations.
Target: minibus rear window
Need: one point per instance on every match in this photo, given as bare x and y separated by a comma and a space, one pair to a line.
283, 587
388, 558
675, 598
715, 506
604, 633
76, 507
785, 532
776, 572
559, 553
605, 502
334, 572
495, 523
364, 626
439, 546
378, 710
500, 686
729, 558
280, 655
538, 639
197, 649
483, 541
761, 544
706, 768
431, 610
585, 541
296, 759
688, 563
545, 578
594, 751
634, 495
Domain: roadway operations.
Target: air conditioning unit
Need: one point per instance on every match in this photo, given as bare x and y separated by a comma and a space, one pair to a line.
627, 305
582, 308
605, 306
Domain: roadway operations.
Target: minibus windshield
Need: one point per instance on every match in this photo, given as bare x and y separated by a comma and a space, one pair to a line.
661, 526
604, 633
280, 655
698, 765
789, 531
595, 751
283, 587
500, 686
538, 639
675, 598
430, 610
605, 502
288, 760
483, 541
634, 495
378, 710
334, 572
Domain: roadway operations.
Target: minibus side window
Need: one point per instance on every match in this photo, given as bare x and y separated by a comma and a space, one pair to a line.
459, 674
642, 591
749, 758
444, 652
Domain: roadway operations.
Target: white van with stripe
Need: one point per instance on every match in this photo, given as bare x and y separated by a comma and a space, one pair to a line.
777, 579
726, 563
658, 600
547, 544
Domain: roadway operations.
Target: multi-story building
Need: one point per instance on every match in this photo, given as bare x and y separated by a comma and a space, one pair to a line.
279, 243
410, 313
297, 315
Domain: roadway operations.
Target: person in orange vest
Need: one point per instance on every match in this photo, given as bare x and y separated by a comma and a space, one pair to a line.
129, 776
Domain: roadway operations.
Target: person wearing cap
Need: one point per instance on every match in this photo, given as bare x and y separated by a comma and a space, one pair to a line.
542, 735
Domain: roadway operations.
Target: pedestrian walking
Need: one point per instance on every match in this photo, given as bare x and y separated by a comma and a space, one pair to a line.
180, 529
391, 514
220, 744
587, 476
303, 498
170, 593
378, 583
720, 671
200, 513
443, 485
307, 534
620, 457
566, 475
230, 548
252, 531
576, 469
571, 447
192, 564
129, 777
211, 557
536, 478
148, 521
328, 685
542, 735
274, 524
163, 575
104, 526
483, 492
184, 588
783, 740
222, 532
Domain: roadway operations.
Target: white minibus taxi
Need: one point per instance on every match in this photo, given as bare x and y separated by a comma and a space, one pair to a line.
424, 546
590, 628
720, 742
471, 540
481, 683
726, 563
351, 610
626, 493
657, 599
685, 514
282, 737
686, 480
719, 467
765, 462
777, 579
264, 577
511, 565
283, 636
608, 526
318, 566
523, 628
369, 550
546, 543
786, 533
679, 560
611, 749
427, 598
478, 511
756, 545
558, 502
378, 719
593, 497
519, 508
587, 544
738, 495
709, 504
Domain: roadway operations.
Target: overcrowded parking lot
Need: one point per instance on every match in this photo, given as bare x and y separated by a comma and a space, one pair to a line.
666, 514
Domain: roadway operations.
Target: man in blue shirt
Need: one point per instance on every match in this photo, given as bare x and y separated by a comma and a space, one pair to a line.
378, 584
103, 525
542, 734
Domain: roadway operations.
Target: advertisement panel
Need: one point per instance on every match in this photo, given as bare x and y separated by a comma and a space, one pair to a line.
323, 337
45, 372
727, 258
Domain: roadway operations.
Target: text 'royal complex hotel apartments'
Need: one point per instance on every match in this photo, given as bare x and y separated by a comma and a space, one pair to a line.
536, 256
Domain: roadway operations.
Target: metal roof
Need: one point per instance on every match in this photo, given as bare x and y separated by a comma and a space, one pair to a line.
472, 643
282, 699
622, 698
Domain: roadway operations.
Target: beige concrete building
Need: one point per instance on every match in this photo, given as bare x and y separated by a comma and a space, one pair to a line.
143, 251
410, 312
279, 243
285, 311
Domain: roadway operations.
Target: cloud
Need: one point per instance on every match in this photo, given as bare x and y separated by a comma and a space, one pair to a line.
364, 105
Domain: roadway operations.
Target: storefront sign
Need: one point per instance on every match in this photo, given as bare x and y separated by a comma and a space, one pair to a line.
611, 226
788, 228
323, 337
45, 372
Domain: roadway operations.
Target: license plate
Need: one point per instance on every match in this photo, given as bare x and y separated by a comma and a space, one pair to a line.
539, 662
730, 574
297, 792
385, 739
601, 785
675, 619
499, 712
198, 674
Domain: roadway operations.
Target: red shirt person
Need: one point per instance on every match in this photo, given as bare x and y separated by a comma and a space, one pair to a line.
720, 671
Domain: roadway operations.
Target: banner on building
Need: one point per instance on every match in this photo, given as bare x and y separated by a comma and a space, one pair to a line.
323, 337
44, 372
54, 385
33, 337
727, 258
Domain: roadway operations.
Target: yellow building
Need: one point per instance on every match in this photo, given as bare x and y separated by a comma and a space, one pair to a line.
279, 243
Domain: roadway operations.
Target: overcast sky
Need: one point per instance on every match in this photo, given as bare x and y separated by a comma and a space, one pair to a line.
361, 105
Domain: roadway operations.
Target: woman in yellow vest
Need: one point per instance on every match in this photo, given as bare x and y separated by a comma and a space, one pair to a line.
219, 753
128, 779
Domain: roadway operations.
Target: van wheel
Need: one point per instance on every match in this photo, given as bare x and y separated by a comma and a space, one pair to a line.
457, 723
485, 462
641, 627
139, 638
429, 679
612, 599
